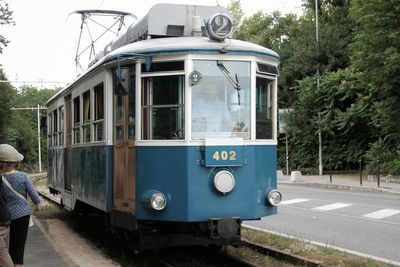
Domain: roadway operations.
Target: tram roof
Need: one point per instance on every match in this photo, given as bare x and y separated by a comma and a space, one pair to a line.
196, 45
176, 46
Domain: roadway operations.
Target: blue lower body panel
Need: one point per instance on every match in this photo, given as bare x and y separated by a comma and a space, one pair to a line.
182, 175
56, 170
92, 175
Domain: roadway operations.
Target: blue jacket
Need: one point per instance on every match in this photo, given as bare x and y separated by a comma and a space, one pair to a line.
22, 184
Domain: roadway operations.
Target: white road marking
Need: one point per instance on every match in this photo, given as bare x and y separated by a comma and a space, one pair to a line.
333, 206
293, 201
380, 214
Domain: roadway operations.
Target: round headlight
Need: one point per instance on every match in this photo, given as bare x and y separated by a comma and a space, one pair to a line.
224, 181
274, 197
158, 201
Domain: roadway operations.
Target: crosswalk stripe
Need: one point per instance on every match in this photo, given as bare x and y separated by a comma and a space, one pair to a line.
333, 206
380, 214
293, 201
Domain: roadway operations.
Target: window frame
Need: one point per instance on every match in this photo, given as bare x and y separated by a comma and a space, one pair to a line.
61, 127
76, 119
98, 121
271, 106
148, 107
86, 116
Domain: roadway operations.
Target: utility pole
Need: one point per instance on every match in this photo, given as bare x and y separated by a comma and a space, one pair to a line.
320, 166
38, 108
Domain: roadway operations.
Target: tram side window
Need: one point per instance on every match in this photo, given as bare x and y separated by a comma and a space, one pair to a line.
77, 120
49, 130
98, 122
131, 109
86, 116
264, 108
61, 126
163, 108
55, 128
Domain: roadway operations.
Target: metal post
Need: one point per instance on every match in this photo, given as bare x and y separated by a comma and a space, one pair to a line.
287, 154
379, 174
330, 170
360, 162
38, 133
320, 165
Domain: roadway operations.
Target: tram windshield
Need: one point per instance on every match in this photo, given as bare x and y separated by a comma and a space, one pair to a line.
221, 99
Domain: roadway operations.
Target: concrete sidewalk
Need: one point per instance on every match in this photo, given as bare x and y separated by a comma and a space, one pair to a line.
39, 250
348, 182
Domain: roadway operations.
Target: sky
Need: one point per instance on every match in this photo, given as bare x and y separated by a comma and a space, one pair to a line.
43, 43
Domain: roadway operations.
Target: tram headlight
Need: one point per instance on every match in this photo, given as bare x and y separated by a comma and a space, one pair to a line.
274, 197
154, 200
158, 201
224, 181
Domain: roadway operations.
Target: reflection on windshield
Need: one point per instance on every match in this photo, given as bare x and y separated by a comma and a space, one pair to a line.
219, 109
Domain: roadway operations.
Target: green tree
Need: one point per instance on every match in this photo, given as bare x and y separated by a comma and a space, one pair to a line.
6, 90
5, 19
376, 55
325, 108
338, 110
22, 132
8, 94
235, 8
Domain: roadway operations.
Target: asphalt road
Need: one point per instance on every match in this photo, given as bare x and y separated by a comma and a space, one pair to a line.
364, 222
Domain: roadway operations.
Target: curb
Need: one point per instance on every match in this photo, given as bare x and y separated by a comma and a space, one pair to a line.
341, 187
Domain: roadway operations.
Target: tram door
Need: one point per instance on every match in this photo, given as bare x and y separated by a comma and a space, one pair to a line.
124, 149
68, 144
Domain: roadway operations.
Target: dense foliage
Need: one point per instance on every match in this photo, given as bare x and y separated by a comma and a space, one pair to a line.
19, 127
5, 19
356, 104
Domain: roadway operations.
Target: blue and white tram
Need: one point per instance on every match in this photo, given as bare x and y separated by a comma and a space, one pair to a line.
172, 134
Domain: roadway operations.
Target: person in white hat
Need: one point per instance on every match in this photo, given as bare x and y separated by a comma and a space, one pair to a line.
17, 187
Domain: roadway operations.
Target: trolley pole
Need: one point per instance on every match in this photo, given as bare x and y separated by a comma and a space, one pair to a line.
38, 108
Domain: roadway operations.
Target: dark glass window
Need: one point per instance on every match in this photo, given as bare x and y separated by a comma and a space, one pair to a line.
98, 112
264, 68
77, 120
264, 108
164, 66
163, 108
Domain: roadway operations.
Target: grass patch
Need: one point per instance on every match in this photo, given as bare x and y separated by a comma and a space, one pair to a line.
328, 256
52, 212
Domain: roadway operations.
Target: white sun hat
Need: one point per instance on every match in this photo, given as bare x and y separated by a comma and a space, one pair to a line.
9, 154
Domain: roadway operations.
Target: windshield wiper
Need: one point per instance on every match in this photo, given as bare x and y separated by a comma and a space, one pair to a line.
234, 82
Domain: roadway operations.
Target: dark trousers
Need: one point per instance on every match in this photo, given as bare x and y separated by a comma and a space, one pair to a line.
18, 234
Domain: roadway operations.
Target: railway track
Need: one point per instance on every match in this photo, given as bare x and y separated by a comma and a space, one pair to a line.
199, 256
49, 198
172, 257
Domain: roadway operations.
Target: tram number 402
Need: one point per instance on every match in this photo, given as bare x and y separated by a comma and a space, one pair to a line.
224, 155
